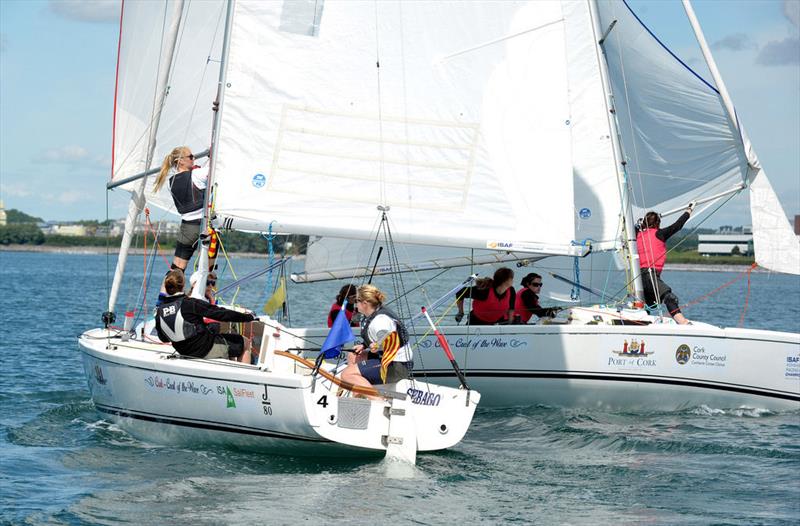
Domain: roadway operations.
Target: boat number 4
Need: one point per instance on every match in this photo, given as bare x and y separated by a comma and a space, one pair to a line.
323, 401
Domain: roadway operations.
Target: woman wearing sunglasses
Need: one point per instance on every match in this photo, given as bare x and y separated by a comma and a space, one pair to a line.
528, 300
187, 185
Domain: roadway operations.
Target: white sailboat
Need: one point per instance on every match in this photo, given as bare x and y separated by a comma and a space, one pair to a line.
447, 116
282, 403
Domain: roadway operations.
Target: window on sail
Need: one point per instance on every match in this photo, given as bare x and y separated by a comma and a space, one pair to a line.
301, 16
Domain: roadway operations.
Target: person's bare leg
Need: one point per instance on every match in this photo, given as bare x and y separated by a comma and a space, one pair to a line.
245, 357
352, 375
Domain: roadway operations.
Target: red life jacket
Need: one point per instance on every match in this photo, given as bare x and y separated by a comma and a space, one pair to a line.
520, 309
652, 251
492, 309
336, 308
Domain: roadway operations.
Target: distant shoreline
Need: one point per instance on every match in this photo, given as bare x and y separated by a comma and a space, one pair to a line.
49, 249
697, 267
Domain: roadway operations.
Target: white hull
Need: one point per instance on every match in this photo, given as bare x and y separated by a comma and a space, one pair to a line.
573, 365
163, 399
584, 367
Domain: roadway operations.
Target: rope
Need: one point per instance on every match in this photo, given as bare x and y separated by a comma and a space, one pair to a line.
725, 285
368, 391
575, 293
747, 296
269, 236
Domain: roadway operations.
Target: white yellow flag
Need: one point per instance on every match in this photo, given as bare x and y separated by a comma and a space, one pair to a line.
278, 298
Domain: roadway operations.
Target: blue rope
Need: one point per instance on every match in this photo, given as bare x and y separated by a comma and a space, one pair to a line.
575, 293
270, 261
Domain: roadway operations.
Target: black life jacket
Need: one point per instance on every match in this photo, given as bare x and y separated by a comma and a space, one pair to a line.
170, 322
401, 329
186, 196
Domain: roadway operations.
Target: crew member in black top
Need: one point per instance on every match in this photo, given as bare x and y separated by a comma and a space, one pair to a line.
179, 320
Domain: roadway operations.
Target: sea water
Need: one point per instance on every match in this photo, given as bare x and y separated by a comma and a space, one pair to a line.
62, 463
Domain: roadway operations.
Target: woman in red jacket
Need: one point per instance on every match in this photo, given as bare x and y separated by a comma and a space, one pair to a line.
651, 243
492, 299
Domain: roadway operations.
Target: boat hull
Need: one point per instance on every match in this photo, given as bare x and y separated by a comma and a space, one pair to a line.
159, 397
595, 366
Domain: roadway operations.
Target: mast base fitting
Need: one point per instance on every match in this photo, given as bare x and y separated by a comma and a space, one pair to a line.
108, 318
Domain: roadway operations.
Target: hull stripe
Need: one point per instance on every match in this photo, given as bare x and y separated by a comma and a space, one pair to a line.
200, 424
784, 395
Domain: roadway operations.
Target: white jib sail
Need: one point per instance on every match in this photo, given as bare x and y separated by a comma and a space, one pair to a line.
186, 115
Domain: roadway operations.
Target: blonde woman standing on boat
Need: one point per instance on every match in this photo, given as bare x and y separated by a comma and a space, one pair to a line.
187, 185
385, 356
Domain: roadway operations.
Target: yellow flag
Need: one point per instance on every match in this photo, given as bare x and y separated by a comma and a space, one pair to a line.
277, 299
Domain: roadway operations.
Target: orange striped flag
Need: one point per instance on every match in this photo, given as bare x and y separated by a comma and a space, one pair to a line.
213, 243
391, 344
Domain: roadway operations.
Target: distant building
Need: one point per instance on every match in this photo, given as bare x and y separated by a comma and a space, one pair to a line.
69, 230
4, 218
726, 241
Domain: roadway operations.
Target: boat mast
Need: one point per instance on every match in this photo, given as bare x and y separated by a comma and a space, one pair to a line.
635, 287
202, 263
730, 112
137, 198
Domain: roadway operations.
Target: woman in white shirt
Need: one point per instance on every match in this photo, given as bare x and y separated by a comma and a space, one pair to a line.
385, 356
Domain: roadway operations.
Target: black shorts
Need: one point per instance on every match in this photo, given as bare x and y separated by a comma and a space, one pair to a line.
188, 237
371, 370
654, 287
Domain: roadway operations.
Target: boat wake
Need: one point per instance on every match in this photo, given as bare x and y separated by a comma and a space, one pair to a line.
751, 412
57, 426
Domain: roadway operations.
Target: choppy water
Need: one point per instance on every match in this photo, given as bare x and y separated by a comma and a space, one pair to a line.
61, 463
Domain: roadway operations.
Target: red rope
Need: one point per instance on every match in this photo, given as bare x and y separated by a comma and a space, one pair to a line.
729, 283
747, 296
116, 93
146, 230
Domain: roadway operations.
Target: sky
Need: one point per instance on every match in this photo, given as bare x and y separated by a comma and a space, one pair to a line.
57, 65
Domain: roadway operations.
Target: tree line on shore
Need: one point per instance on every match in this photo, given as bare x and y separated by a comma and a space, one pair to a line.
22, 229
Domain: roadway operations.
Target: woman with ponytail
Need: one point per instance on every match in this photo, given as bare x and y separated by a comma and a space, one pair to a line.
187, 185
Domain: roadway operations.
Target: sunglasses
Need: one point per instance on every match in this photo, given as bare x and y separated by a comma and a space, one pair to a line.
536, 284
210, 283
190, 156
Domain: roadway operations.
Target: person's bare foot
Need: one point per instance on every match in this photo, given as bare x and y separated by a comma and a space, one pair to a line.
680, 319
